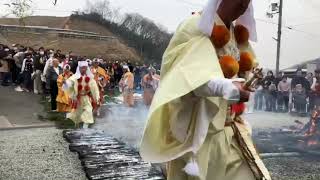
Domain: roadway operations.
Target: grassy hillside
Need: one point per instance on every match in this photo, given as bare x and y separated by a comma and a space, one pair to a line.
111, 50
53, 22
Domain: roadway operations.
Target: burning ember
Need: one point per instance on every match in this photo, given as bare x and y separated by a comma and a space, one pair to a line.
312, 129
312, 142
302, 137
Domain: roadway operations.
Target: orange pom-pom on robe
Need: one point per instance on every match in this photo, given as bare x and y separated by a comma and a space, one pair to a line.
220, 36
241, 34
229, 66
246, 62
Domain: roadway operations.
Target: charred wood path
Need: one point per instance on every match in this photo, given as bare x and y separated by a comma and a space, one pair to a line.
104, 157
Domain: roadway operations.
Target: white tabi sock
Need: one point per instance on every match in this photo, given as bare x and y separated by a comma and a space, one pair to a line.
85, 126
192, 168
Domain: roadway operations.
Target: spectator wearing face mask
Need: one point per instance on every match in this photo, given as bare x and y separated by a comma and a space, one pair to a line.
40, 60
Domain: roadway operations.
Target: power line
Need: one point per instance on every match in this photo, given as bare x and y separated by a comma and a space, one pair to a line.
288, 27
301, 24
190, 3
54, 10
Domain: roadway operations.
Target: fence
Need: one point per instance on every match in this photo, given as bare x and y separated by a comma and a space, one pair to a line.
63, 33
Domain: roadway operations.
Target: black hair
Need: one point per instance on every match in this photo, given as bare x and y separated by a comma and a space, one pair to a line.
55, 55
28, 54
270, 72
62, 56
299, 69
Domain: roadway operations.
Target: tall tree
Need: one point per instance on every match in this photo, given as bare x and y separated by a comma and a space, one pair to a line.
21, 9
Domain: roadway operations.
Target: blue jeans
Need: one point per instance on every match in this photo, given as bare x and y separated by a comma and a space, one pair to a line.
258, 100
27, 81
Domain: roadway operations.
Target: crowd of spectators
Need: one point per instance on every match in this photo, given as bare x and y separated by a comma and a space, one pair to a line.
29, 70
299, 93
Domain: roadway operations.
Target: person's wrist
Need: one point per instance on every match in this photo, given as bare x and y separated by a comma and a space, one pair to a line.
230, 91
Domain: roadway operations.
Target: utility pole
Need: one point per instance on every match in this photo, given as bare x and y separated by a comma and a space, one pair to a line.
279, 37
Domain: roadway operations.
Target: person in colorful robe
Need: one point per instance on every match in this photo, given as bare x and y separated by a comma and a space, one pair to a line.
315, 90
101, 77
126, 85
149, 84
63, 100
193, 114
84, 93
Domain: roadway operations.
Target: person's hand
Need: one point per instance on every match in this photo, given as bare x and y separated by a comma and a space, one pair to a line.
244, 93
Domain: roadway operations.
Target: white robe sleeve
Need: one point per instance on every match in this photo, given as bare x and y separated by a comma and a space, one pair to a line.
67, 85
94, 90
46, 67
313, 86
23, 65
219, 87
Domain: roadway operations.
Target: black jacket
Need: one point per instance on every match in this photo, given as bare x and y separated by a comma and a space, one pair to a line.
52, 75
38, 64
301, 80
267, 81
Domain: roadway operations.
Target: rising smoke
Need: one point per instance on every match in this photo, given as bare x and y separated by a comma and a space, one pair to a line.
124, 123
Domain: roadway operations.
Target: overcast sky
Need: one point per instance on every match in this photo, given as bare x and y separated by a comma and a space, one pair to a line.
301, 31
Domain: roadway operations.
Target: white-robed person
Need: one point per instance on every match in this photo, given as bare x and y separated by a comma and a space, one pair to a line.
195, 124
84, 93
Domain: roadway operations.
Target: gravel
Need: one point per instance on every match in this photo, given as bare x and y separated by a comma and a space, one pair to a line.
294, 168
37, 154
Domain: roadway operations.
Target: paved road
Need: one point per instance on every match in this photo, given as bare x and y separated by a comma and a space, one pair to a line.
264, 120
19, 109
